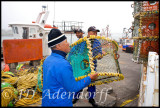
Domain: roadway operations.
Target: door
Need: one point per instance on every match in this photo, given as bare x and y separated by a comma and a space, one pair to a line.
25, 33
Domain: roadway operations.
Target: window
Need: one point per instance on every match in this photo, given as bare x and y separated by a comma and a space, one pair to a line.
16, 30
123, 41
32, 30
152, 26
13, 30
128, 41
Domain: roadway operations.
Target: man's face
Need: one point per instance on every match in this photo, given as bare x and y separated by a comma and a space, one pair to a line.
92, 33
64, 46
79, 34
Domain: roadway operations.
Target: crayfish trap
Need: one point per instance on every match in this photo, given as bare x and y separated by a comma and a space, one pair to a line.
95, 54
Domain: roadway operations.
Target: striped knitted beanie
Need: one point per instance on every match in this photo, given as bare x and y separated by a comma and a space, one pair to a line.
54, 37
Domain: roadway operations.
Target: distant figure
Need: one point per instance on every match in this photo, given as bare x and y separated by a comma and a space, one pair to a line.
79, 33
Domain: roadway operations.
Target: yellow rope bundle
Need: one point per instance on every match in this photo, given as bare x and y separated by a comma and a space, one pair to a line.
7, 95
22, 72
28, 100
8, 78
27, 81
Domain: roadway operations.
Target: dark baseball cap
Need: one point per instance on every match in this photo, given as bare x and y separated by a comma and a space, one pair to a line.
78, 30
93, 28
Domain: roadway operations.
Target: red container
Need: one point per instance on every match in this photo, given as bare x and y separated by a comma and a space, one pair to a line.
20, 50
148, 45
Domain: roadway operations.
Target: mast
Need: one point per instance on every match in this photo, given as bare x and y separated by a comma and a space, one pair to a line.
107, 28
54, 14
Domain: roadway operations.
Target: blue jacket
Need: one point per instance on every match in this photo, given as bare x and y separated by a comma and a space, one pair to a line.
59, 84
96, 45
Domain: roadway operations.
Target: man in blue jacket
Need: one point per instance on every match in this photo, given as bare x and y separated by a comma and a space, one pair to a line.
59, 84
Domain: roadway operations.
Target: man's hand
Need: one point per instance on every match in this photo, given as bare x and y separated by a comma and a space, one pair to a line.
94, 76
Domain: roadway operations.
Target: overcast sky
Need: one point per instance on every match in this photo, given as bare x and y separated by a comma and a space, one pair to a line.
116, 14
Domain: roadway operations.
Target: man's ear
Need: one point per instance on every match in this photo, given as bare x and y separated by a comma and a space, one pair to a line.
58, 46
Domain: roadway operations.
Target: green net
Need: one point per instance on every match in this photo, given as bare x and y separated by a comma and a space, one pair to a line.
39, 78
79, 60
95, 54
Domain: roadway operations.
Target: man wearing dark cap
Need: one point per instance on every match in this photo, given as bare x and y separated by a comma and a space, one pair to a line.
94, 43
79, 33
96, 51
92, 31
59, 84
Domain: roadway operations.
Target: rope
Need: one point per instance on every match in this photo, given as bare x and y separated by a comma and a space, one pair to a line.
7, 95
27, 81
128, 101
28, 100
8, 78
24, 80
32, 80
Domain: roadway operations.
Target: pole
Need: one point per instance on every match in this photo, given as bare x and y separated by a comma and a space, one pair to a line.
107, 30
54, 15
64, 26
71, 38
